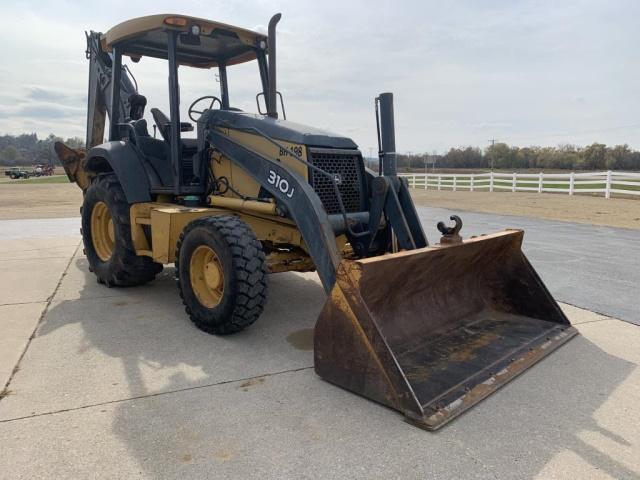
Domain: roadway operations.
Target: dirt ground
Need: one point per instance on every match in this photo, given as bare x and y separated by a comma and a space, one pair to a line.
63, 200
612, 212
49, 200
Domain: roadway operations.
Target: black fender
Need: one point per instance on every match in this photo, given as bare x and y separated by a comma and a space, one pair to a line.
122, 159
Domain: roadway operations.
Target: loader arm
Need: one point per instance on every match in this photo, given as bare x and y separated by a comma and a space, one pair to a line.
101, 90
296, 195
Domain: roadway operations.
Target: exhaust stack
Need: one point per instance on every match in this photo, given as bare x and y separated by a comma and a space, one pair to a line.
272, 107
386, 134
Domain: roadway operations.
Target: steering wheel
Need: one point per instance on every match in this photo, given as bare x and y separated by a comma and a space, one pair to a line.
193, 111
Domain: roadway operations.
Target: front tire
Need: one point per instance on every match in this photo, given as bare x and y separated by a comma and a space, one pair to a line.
106, 234
221, 274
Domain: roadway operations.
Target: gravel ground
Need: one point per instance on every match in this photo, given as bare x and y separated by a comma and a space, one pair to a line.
612, 212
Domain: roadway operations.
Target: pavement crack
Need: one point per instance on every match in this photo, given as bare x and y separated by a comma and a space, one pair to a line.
5, 388
593, 321
151, 395
604, 315
48, 248
92, 298
31, 258
22, 303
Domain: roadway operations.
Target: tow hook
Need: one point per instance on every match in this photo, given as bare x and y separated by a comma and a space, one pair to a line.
450, 234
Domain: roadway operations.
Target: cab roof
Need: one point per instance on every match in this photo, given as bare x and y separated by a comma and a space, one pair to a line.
219, 43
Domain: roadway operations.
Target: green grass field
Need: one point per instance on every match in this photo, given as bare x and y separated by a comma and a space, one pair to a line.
32, 180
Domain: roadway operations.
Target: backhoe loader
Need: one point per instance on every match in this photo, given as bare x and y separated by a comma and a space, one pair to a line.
428, 330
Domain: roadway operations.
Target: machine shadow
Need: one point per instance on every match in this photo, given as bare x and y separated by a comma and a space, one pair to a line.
196, 430
147, 327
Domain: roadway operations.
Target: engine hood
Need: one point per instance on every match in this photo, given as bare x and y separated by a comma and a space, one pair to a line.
277, 129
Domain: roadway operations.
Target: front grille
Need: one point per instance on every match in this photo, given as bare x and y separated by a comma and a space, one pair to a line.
345, 167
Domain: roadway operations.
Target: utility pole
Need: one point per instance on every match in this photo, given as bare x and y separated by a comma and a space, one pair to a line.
493, 144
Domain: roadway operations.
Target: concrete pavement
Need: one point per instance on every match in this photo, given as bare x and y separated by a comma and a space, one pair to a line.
40, 228
30, 272
117, 383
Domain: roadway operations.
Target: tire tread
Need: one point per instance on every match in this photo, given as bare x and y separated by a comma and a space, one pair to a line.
250, 273
125, 268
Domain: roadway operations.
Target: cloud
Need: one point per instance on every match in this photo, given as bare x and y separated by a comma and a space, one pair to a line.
47, 95
44, 111
461, 72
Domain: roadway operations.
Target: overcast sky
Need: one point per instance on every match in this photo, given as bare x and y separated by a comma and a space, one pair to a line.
463, 72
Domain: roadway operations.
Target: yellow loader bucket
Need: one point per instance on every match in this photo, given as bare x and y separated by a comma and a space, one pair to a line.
431, 332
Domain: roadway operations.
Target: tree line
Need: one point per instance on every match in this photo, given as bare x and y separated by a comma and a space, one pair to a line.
27, 149
596, 156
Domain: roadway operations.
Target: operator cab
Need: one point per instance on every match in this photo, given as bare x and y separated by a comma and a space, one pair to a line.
183, 41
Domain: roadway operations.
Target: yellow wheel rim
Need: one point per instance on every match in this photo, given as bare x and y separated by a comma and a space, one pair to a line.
207, 276
102, 233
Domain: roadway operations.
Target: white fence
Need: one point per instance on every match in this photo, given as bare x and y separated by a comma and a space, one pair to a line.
627, 183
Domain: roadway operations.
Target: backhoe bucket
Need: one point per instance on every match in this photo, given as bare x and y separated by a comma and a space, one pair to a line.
73, 163
431, 332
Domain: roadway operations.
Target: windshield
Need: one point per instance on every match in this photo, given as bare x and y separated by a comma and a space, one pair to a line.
243, 84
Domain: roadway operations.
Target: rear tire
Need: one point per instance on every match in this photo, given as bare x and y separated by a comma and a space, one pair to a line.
221, 274
108, 246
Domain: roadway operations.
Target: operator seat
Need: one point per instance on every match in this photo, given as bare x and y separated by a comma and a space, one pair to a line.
188, 146
156, 152
164, 126
163, 123
137, 104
